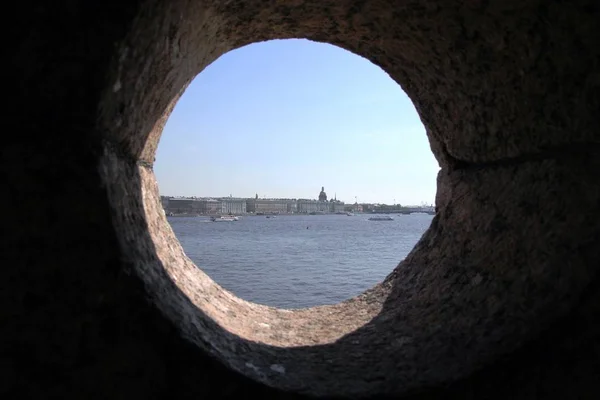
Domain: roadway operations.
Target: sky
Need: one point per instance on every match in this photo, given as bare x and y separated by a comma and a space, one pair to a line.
283, 118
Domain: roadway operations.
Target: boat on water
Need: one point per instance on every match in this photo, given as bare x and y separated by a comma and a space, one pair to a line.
350, 214
381, 218
224, 218
271, 216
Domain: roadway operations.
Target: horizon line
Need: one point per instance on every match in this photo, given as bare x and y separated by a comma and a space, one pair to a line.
285, 198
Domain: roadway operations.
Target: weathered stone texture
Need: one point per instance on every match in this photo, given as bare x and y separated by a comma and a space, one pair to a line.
499, 299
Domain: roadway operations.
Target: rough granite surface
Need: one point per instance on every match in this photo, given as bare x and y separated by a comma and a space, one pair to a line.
499, 299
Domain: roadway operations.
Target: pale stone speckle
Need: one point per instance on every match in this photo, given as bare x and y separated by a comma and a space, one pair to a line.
252, 367
278, 368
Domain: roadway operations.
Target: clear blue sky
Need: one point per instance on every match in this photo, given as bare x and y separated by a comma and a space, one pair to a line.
283, 118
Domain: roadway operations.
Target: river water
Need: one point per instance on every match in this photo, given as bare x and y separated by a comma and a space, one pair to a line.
294, 261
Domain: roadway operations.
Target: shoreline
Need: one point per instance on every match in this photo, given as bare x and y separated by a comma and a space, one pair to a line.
284, 215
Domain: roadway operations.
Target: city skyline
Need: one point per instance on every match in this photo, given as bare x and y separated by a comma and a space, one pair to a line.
298, 112
357, 200
186, 206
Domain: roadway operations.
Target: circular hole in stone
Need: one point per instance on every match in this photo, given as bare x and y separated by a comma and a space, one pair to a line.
257, 135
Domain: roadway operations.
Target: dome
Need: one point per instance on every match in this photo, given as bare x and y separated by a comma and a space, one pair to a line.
322, 195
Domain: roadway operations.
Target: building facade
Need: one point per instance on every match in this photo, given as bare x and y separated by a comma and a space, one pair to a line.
357, 208
237, 206
178, 205
231, 205
307, 206
194, 206
211, 206
336, 206
267, 206
292, 206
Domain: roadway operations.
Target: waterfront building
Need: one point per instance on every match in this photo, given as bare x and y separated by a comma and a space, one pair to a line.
323, 207
232, 205
251, 205
336, 206
267, 206
192, 205
292, 206
237, 206
368, 207
309, 206
210, 206
184, 205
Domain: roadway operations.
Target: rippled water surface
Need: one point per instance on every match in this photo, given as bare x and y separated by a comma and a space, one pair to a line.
299, 261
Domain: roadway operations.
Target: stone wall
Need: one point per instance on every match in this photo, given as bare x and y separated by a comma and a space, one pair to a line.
499, 299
